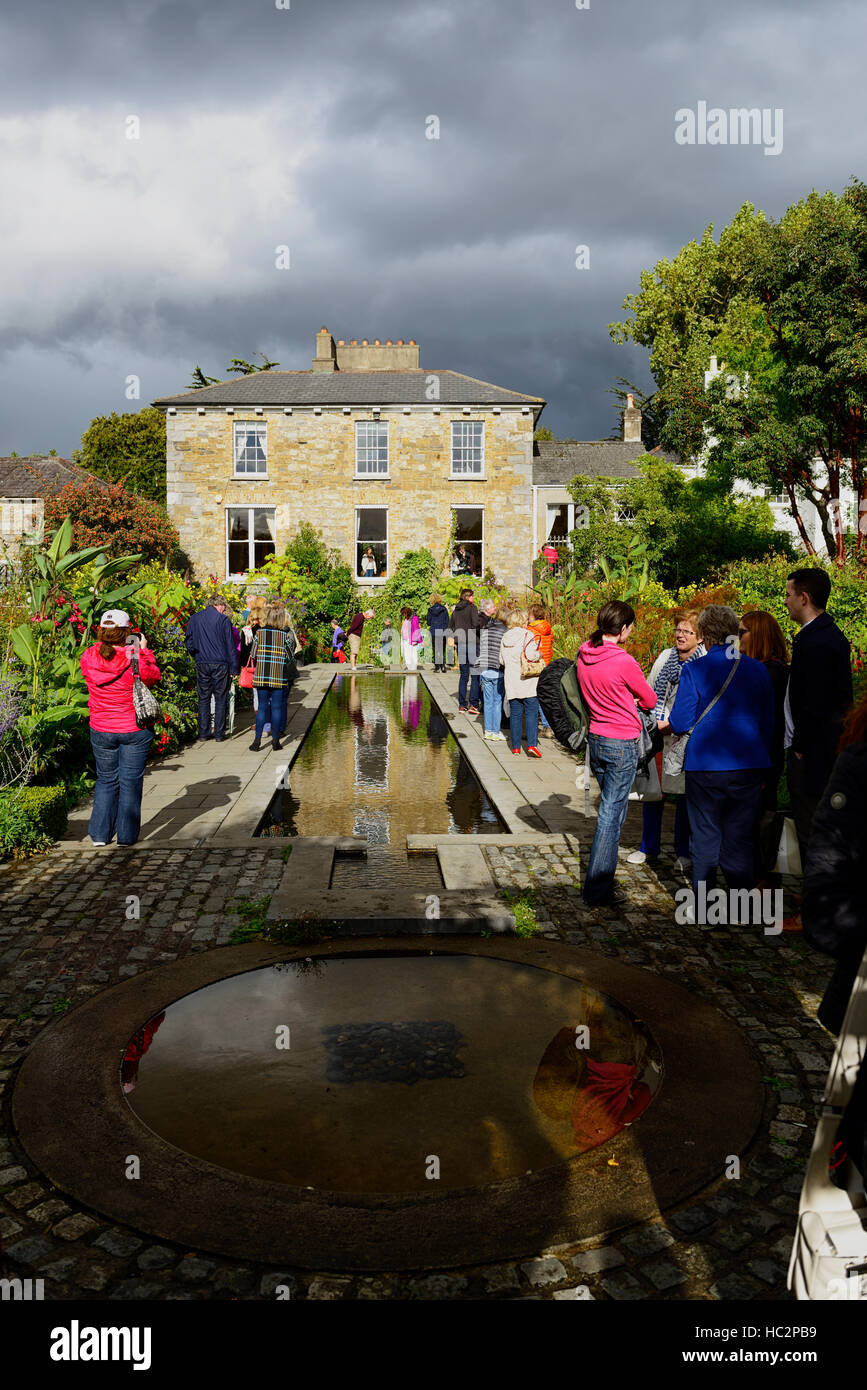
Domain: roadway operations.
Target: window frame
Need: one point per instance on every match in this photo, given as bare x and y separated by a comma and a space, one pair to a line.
472, 507
368, 477
466, 476
370, 507
251, 539
247, 474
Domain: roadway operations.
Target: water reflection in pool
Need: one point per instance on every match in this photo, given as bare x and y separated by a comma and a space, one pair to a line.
348, 1074
380, 761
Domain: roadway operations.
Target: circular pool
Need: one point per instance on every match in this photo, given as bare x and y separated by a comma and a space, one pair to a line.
388, 1073
421, 1105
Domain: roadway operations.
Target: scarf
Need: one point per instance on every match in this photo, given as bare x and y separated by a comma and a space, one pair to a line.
669, 676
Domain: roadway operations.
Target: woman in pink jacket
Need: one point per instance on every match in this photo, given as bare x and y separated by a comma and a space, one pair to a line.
120, 747
611, 682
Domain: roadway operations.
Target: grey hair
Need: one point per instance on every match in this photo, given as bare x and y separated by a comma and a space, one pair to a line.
716, 623
489, 606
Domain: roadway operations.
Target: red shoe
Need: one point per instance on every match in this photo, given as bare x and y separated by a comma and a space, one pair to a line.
472, 710
533, 752
517, 752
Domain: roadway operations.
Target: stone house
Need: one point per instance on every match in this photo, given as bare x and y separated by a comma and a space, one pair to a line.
557, 462
24, 485
380, 454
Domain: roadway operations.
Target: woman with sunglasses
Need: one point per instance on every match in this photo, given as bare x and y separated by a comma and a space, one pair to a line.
664, 677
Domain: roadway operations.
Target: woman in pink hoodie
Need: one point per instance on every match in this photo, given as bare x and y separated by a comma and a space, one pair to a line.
120, 747
611, 682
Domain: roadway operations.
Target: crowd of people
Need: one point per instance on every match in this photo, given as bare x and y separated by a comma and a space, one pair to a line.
724, 709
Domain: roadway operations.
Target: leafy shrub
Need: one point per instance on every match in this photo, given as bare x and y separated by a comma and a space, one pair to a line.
31, 819
316, 583
105, 514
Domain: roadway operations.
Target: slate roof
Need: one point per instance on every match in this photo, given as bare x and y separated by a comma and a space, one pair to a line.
350, 388
39, 475
556, 463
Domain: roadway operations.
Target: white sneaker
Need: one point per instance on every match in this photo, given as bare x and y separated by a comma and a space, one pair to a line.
99, 843
500, 737
683, 861
636, 857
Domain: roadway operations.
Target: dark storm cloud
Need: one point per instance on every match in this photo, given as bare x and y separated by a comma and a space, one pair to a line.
306, 127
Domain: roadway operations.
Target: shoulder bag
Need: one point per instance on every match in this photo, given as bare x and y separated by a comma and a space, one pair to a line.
673, 775
530, 668
144, 702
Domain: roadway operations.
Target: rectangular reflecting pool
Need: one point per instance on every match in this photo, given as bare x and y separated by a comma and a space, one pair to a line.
380, 761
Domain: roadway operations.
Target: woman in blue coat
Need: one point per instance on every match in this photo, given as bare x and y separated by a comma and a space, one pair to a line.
728, 753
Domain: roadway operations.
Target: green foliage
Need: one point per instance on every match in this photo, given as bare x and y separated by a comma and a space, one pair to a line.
253, 913
668, 526
128, 449
783, 307
31, 819
524, 909
317, 585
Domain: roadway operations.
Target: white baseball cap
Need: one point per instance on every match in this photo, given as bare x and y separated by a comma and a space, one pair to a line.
115, 617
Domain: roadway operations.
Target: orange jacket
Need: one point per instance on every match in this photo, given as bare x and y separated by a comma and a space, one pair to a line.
542, 629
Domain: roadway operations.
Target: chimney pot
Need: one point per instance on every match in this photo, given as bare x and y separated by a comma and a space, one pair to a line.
400, 342
341, 342
376, 342
353, 342
323, 330
412, 342
364, 342
630, 402
388, 343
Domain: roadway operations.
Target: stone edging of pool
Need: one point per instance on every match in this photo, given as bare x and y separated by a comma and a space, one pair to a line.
74, 1123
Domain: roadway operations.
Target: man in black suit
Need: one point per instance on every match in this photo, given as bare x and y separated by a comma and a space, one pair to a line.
818, 698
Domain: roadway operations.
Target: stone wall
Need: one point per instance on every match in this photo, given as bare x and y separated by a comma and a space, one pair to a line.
311, 463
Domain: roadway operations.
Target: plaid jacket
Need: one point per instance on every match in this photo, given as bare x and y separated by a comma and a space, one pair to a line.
273, 651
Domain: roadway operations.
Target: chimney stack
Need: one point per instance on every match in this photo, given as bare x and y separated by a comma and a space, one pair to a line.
631, 422
325, 358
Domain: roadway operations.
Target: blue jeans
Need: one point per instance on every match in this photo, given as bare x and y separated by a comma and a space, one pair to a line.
272, 710
651, 828
462, 685
120, 763
613, 762
493, 689
519, 710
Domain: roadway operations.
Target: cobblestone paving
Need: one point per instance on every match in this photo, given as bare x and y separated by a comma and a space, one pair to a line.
65, 934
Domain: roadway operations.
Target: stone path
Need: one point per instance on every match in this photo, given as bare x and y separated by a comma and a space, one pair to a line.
67, 932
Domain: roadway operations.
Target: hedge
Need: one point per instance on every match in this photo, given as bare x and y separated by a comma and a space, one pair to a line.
31, 819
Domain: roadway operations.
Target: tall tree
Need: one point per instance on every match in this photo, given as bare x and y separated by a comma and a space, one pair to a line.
128, 449
784, 306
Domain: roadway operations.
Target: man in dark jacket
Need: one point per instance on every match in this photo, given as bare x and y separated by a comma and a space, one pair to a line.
465, 625
818, 697
210, 641
438, 622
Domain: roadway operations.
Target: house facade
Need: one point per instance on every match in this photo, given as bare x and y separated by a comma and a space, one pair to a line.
379, 454
24, 485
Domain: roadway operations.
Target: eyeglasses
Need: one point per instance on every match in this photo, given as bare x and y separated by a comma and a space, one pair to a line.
683, 632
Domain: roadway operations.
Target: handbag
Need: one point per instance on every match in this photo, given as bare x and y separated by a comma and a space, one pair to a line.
248, 672
145, 704
530, 668
673, 775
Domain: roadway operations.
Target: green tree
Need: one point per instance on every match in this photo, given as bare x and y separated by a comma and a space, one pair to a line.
199, 379
128, 449
689, 527
784, 306
238, 364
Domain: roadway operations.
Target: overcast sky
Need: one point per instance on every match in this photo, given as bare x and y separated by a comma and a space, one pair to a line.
306, 127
